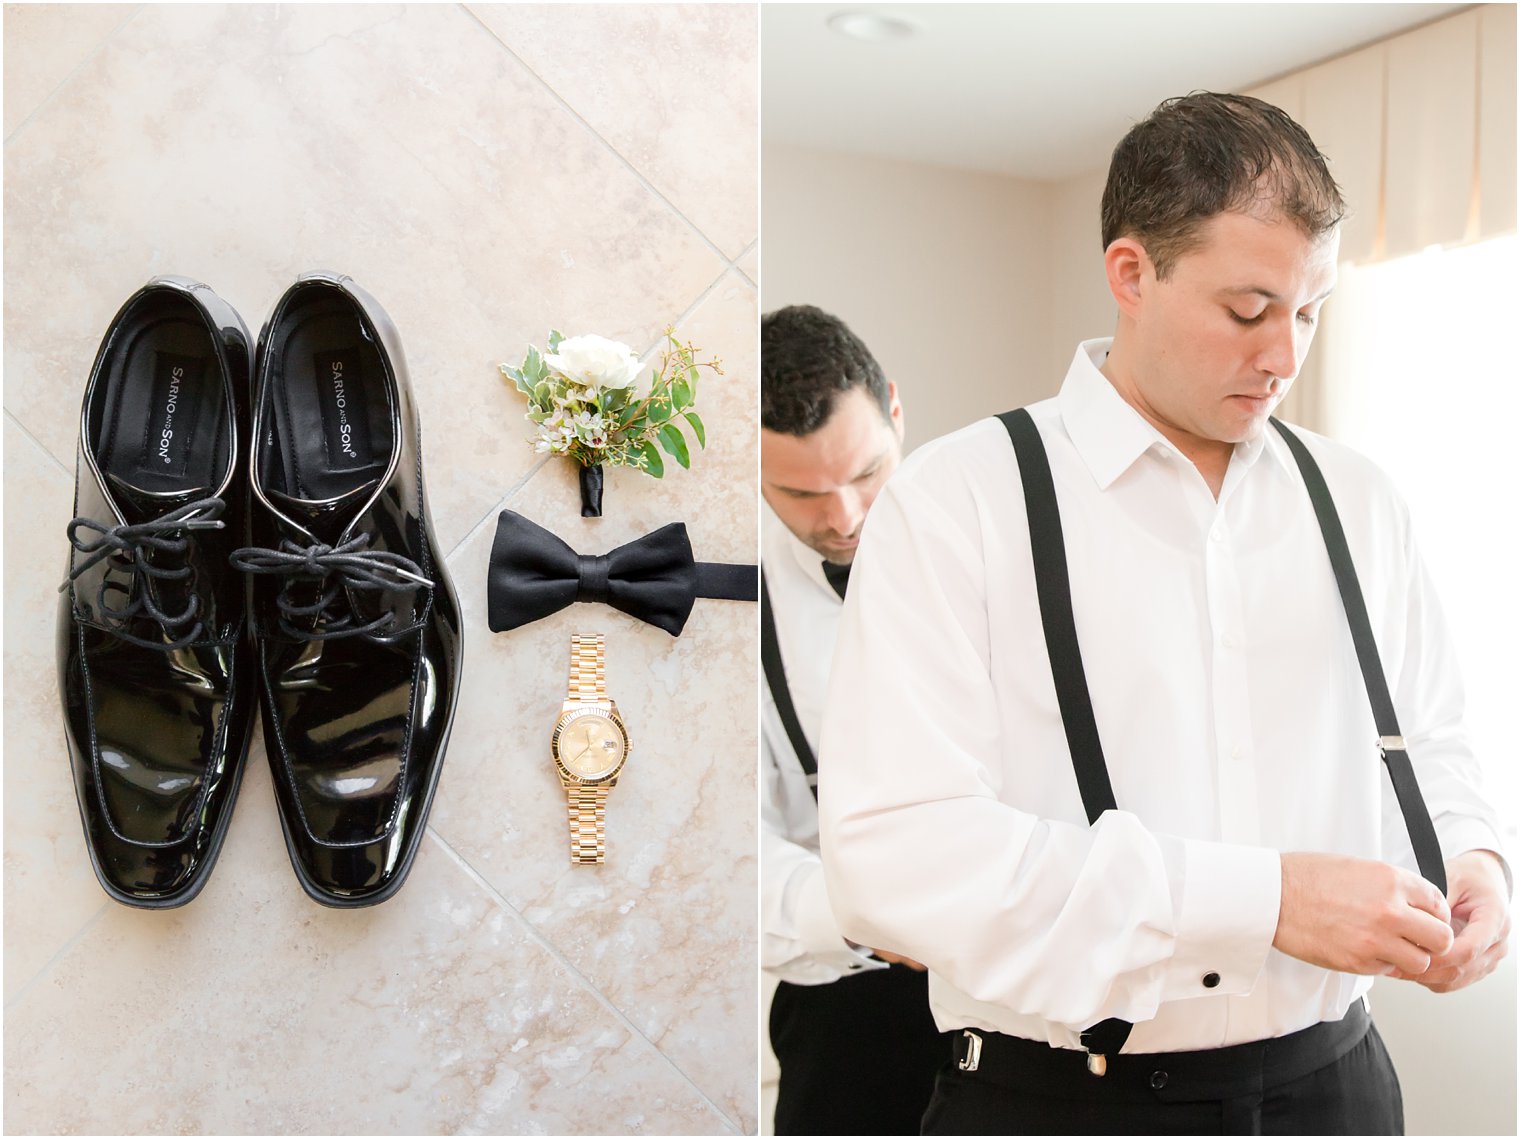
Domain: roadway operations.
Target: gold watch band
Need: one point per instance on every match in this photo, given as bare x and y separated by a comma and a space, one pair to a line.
588, 805
588, 668
588, 824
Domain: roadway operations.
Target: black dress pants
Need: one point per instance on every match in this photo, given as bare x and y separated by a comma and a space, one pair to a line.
1358, 1094
858, 1056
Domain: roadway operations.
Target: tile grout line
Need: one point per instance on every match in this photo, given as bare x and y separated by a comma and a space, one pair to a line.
485, 518
11, 415
62, 952
601, 998
69, 78
743, 253
703, 295
634, 170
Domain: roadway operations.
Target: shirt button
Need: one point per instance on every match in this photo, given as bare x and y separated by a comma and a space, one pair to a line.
1216, 535
1158, 1080
1227, 641
1238, 752
1210, 980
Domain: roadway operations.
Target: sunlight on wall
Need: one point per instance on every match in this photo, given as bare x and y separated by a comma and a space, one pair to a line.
1422, 377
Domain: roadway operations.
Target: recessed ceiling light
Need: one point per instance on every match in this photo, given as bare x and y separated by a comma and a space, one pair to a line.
871, 26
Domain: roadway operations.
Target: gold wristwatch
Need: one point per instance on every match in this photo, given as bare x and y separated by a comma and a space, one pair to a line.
589, 745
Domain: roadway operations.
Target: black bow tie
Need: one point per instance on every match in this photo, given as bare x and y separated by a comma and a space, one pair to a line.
839, 576
533, 573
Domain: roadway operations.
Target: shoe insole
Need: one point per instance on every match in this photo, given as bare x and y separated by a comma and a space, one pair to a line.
331, 407
162, 419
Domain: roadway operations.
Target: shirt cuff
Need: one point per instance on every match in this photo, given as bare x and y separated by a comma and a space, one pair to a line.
817, 929
1458, 836
1230, 901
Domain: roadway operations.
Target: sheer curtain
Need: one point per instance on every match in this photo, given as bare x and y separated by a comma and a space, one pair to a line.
1421, 375
1418, 371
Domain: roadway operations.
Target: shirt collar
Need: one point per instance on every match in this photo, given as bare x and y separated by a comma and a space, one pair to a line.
1110, 435
777, 539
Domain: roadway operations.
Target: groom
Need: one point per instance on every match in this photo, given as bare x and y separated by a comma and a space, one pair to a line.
1196, 959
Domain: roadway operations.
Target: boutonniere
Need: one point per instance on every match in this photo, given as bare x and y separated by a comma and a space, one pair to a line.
586, 400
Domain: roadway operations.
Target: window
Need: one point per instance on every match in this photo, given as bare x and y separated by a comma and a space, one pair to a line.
1424, 378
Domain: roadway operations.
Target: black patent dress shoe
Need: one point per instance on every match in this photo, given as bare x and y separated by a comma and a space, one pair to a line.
356, 622
155, 665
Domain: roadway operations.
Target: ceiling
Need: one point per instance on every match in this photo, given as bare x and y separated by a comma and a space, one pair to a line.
1039, 91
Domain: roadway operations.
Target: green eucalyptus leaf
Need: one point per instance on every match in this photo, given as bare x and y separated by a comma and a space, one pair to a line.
555, 336
533, 364
543, 395
681, 394
697, 428
658, 411
654, 464
675, 444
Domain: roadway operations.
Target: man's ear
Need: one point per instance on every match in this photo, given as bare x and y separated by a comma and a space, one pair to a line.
1130, 274
894, 410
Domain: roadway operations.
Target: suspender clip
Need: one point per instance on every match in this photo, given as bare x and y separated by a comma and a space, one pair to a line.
973, 1057
1097, 1063
1391, 743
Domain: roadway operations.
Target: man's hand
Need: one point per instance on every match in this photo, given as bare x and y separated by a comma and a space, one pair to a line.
1479, 915
896, 959
1360, 916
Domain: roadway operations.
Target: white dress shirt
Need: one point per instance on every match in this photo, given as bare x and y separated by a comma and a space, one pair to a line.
1227, 695
800, 940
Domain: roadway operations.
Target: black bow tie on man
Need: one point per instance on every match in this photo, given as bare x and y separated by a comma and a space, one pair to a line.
533, 573
838, 576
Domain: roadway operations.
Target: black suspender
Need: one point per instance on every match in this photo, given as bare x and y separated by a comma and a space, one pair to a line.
775, 678
1053, 587
1422, 833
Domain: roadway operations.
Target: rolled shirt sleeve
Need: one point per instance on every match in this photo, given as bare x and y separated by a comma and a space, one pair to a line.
800, 938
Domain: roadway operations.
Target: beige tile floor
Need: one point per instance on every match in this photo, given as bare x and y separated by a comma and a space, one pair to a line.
486, 172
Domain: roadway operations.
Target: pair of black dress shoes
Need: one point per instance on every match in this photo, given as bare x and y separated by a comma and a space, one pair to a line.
254, 524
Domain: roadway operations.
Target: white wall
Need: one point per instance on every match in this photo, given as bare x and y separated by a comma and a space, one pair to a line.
972, 290
940, 272
1081, 306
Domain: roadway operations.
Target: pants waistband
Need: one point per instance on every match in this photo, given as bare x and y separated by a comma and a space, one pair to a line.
1173, 1077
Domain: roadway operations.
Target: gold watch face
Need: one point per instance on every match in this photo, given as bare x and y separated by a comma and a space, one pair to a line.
589, 745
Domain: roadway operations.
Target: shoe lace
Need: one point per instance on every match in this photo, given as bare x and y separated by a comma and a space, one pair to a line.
137, 543
350, 565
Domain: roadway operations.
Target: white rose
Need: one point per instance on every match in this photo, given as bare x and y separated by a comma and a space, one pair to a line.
595, 362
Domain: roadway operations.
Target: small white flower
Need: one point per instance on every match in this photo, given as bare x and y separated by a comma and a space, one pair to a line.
594, 362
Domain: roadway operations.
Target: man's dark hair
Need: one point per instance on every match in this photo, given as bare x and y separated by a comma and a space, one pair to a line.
807, 357
1202, 154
